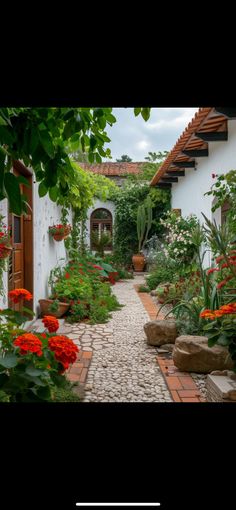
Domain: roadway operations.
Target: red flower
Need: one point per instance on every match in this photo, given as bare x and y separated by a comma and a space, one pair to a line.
67, 275
97, 267
64, 349
18, 295
51, 323
212, 270
29, 343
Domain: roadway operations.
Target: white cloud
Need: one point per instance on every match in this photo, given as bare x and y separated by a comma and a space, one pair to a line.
142, 145
133, 136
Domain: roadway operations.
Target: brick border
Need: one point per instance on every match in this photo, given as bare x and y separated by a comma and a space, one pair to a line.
181, 385
78, 372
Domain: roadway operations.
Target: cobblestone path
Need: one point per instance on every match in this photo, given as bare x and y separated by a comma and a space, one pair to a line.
123, 367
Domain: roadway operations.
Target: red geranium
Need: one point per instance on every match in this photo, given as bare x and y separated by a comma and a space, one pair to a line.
29, 343
64, 349
18, 295
51, 323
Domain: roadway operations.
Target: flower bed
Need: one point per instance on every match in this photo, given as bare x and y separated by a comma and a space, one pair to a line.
32, 365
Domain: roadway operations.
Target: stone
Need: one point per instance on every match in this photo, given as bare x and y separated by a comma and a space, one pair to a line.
88, 387
166, 348
153, 293
159, 332
220, 388
192, 354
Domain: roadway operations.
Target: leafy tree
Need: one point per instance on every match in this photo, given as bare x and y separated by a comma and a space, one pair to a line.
155, 156
124, 158
149, 169
43, 139
127, 201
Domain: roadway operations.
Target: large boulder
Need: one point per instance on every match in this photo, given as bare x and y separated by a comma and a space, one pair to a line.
192, 354
160, 332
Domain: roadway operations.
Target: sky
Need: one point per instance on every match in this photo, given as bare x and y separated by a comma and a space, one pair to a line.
133, 136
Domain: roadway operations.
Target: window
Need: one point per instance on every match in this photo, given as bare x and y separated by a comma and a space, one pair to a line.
101, 223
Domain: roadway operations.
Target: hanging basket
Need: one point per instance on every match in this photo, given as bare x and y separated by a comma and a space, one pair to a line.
5, 251
58, 237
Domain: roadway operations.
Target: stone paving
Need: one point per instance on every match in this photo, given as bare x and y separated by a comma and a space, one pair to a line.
123, 366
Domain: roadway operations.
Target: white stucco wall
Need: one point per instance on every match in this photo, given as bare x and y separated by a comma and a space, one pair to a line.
110, 206
47, 252
188, 193
3, 299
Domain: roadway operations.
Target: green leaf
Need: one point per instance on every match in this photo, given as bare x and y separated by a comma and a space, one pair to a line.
145, 112
91, 157
27, 310
32, 371
33, 140
42, 189
53, 193
13, 193
22, 180
212, 340
98, 158
7, 135
92, 142
44, 393
9, 361
110, 118
2, 121
137, 111
223, 339
47, 144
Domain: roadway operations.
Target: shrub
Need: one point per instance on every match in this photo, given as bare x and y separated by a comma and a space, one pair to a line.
143, 288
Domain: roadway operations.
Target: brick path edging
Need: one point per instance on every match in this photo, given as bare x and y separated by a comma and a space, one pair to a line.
78, 372
181, 385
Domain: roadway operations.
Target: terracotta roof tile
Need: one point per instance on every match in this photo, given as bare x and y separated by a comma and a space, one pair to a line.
205, 120
113, 168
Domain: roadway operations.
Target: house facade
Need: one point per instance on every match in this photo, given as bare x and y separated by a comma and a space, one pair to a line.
101, 215
34, 252
206, 148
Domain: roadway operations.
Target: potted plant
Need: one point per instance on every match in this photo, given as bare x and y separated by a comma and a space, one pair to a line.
144, 222
59, 232
5, 240
53, 306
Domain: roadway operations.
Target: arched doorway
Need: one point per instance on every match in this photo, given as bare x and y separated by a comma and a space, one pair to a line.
101, 223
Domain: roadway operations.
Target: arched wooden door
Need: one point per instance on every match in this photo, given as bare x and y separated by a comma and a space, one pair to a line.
20, 273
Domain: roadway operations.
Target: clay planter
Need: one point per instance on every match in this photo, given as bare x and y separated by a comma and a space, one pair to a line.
138, 262
5, 251
45, 308
59, 237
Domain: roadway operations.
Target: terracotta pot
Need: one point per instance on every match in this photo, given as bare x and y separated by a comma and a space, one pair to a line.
45, 308
138, 262
59, 237
5, 251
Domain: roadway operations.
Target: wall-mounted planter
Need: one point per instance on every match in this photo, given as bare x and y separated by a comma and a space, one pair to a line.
5, 251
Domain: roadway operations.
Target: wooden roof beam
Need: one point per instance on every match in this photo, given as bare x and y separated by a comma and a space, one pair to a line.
184, 164
167, 178
229, 113
196, 153
213, 136
176, 173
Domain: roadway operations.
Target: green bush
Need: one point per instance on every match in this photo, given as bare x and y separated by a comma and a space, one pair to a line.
143, 288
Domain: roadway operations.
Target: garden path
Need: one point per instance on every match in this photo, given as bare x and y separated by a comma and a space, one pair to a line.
123, 366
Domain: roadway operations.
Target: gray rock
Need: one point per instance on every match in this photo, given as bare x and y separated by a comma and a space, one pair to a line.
192, 354
160, 332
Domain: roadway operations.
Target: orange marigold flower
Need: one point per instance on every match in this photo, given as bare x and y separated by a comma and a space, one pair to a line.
230, 308
207, 314
218, 313
29, 343
18, 295
51, 323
